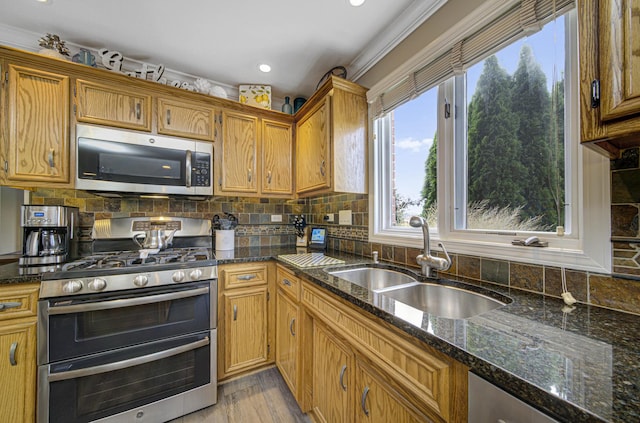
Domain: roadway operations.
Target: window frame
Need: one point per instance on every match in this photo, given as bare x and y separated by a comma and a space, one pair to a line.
589, 188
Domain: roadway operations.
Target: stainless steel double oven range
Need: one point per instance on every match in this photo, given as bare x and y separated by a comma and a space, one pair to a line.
127, 335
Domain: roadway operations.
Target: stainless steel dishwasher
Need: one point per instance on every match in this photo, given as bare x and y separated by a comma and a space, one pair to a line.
490, 404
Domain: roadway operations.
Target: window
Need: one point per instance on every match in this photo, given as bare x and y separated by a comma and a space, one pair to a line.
491, 154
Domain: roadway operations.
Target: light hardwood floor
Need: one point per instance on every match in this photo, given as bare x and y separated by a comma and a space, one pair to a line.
261, 397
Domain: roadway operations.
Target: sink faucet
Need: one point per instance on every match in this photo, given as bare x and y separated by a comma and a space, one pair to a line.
428, 262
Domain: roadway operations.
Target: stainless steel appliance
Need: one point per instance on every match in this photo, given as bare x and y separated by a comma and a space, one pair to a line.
117, 160
49, 239
128, 335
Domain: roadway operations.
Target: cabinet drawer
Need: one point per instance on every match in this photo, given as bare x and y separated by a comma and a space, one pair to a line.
19, 300
418, 371
243, 275
288, 283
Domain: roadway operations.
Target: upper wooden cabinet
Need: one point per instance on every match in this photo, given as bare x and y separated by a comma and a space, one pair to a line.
331, 140
181, 118
253, 156
609, 39
112, 105
38, 127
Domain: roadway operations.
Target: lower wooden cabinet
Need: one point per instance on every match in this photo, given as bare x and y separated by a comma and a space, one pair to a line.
18, 352
245, 318
287, 344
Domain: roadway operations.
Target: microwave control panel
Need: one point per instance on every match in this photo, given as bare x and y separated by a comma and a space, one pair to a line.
201, 170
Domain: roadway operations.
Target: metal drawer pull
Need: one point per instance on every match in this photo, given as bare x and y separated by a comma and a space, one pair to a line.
344, 369
168, 116
50, 158
249, 175
235, 312
247, 277
322, 172
293, 321
105, 305
138, 111
363, 401
286, 282
8, 305
104, 368
12, 354
269, 177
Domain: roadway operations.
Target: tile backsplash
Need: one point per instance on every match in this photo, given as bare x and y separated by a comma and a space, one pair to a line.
620, 291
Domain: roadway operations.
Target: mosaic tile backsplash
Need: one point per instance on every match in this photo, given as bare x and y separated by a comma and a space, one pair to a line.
621, 291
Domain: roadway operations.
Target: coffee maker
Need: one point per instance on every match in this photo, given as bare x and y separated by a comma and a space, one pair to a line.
50, 237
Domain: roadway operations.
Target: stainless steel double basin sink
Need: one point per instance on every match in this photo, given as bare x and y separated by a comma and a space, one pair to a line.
439, 300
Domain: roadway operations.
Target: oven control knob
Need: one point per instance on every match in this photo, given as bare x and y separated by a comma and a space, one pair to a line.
97, 284
140, 280
195, 274
72, 286
178, 276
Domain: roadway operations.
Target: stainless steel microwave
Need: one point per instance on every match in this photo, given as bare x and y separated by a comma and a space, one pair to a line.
124, 161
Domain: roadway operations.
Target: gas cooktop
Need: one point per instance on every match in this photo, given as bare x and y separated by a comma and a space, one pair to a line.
131, 259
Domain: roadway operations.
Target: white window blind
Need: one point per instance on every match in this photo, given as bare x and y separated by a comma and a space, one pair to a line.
521, 20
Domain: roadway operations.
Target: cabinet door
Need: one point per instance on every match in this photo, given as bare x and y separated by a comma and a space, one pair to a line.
38, 126
4, 144
287, 324
378, 403
176, 117
238, 153
277, 158
18, 370
246, 337
313, 170
619, 41
333, 376
112, 105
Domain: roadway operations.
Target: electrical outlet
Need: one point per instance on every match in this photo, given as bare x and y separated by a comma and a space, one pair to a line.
276, 218
329, 217
344, 217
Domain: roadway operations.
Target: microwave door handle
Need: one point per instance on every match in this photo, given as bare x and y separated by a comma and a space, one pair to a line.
89, 371
188, 166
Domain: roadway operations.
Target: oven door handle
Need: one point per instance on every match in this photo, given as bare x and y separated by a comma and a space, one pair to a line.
89, 371
128, 302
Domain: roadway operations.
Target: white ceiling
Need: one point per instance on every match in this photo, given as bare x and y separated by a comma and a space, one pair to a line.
225, 41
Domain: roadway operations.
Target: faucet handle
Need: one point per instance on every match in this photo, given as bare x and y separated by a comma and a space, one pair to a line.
446, 255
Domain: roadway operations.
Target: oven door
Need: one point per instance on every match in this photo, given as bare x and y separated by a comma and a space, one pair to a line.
155, 382
79, 326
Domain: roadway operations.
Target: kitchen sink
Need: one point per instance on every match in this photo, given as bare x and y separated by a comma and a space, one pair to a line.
443, 301
373, 278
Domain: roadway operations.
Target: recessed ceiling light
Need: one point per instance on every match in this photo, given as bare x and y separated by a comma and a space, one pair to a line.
42, 1
265, 68
356, 3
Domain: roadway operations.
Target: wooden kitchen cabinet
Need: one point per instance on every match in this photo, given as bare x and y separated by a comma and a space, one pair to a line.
184, 119
331, 140
244, 318
394, 373
37, 135
255, 156
609, 39
18, 352
112, 105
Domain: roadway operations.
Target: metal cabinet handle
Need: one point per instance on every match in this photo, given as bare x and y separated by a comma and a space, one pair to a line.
246, 277
235, 312
363, 401
269, 177
12, 354
293, 321
168, 116
322, 171
138, 111
249, 175
187, 165
50, 157
344, 369
286, 282
8, 305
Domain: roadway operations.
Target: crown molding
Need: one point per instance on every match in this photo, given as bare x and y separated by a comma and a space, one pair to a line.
386, 40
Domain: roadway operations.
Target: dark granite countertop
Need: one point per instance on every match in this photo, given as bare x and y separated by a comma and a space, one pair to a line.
581, 366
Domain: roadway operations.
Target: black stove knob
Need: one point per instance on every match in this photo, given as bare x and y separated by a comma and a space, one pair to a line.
98, 284
73, 286
140, 280
178, 276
